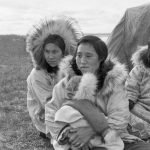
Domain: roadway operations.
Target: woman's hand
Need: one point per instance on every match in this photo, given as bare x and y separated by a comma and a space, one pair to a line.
86, 146
79, 137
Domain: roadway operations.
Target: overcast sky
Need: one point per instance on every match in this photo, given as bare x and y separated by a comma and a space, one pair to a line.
94, 16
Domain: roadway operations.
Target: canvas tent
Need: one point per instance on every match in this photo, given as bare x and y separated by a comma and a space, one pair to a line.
132, 30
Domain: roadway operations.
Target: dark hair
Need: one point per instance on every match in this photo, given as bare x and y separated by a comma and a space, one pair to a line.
57, 40
102, 52
39, 54
146, 56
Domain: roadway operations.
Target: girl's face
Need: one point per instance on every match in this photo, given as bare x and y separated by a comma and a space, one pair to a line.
52, 54
87, 59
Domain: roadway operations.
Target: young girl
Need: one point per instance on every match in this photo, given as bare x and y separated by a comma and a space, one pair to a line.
47, 42
138, 90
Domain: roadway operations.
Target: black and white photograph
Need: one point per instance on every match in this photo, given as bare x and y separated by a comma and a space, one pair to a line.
74, 75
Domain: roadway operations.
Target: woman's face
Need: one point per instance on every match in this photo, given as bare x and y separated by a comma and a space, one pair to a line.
87, 59
52, 54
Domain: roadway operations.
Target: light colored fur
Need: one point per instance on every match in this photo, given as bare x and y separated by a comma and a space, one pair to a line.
65, 67
87, 87
116, 76
64, 26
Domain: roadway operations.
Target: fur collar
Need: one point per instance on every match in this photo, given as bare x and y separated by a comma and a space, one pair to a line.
114, 78
139, 56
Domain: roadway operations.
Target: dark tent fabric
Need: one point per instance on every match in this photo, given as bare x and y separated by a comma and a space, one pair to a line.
132, 30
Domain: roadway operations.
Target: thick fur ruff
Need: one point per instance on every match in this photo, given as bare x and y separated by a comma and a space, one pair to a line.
137, 57
87, 87
114, 78
65, 67
64, 26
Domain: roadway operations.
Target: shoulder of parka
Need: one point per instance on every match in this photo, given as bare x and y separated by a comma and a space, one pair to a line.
115, 78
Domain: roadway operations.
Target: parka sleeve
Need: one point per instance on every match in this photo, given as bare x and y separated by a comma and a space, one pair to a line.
51, 108
38, 93
118, 109
133, 83
42, 89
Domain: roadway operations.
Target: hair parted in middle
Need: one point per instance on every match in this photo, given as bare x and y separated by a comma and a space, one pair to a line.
61, 30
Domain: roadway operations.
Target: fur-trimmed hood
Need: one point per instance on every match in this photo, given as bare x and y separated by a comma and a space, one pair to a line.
115, 77
139, 56
64, 26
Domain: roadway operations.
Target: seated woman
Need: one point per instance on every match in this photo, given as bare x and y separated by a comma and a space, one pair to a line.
110, 95
138, 90
79, 88
111, 104
47, 43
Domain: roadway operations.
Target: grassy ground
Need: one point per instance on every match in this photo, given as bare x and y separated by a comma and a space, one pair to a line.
16, 129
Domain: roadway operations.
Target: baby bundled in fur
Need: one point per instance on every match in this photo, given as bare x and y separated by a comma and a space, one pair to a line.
83, 87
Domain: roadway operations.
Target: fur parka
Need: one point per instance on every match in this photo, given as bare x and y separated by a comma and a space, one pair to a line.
111, 98
138, 90
40, 83
84, 88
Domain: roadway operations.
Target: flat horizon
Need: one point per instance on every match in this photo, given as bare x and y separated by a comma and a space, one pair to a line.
18, 17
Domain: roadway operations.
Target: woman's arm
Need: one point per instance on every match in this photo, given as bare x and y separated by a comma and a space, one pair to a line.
42, 86
80, 137
118, 109
51, 108
36, 112
133, 85
92, 114
39, 90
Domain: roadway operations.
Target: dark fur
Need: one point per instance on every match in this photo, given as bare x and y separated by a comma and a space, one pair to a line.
145, 57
